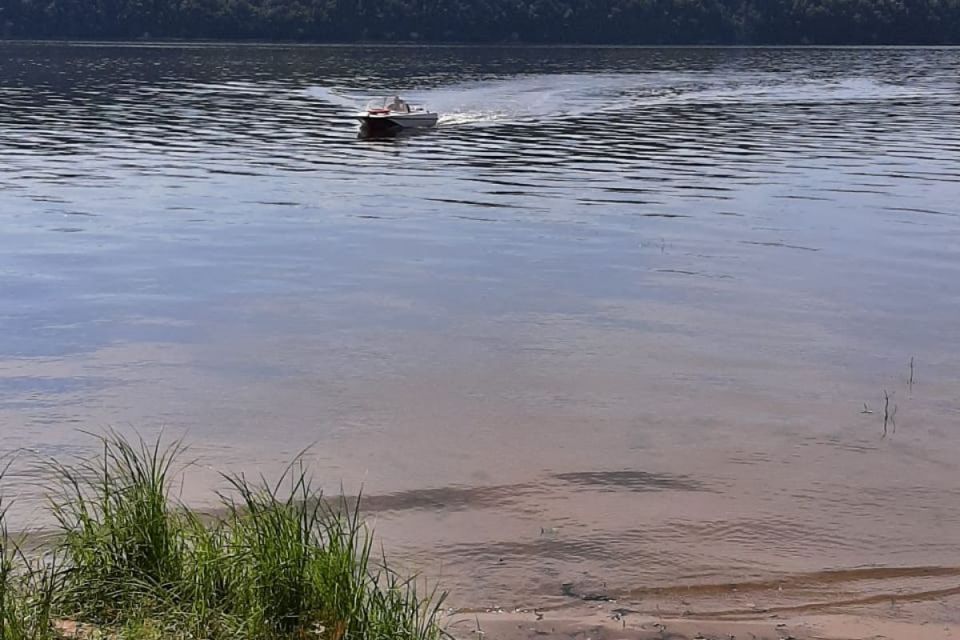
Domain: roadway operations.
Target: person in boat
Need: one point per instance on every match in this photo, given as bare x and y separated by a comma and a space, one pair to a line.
399, 105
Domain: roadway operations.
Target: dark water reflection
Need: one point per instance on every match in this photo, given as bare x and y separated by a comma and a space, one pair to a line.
621, 303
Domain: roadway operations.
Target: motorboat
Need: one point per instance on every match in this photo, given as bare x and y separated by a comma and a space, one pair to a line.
391, 114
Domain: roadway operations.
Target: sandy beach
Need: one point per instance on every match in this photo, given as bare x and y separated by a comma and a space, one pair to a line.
936, 618
908, 604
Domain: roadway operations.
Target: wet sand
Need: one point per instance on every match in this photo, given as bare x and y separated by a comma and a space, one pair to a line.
755, 612
598, 626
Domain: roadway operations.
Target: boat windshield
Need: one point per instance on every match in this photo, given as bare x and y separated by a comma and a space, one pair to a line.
393, 104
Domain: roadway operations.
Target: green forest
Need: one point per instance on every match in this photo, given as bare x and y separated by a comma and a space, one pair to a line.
664, 22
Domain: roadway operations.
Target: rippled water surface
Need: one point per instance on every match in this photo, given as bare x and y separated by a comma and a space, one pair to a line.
626, 317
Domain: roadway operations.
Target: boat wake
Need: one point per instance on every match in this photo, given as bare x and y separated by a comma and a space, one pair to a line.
527, 99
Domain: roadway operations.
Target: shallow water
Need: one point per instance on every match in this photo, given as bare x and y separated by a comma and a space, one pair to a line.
615, 322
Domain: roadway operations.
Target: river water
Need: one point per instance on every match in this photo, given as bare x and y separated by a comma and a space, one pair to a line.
626, 317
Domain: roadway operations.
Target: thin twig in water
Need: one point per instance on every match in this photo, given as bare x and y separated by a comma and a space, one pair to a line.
911, 374
886, 411
889, 414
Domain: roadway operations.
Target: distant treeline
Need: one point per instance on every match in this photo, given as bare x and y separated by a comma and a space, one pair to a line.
532, 21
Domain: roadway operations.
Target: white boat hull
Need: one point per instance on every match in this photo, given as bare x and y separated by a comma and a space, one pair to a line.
387, 121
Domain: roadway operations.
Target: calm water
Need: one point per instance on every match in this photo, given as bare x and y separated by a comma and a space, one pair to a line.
614, 321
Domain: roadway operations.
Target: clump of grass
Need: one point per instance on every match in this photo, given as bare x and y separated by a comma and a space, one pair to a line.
26, 612
27, 587
278, 562
397, 609
119, 534
303, 566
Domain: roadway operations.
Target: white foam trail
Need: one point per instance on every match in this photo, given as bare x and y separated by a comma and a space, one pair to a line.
526, 98
521, 98
337, 98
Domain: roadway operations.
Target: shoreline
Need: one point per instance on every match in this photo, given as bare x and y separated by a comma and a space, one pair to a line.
934, 619
456, 44
121, 500
841, 626
836, 603
921, 603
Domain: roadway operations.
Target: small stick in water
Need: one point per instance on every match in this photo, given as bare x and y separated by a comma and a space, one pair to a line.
911, 374
886, 411
889, 415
